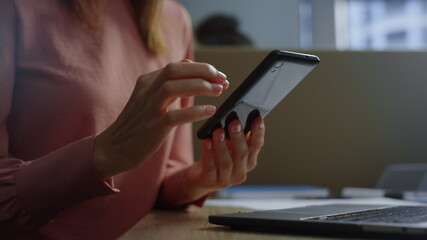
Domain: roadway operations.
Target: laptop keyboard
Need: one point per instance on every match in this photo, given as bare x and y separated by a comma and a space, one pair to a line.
403, 214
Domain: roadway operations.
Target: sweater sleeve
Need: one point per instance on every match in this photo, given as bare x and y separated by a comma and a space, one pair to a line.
33, 191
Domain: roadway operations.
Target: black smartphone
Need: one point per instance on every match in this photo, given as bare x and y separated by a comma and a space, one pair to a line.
271, 81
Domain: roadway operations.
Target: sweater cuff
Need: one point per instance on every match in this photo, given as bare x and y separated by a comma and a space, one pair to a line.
65, 177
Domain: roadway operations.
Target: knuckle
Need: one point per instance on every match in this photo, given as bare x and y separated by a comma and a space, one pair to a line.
260, 143
209, 69
240, 179
170, 69
251, 166
224, 184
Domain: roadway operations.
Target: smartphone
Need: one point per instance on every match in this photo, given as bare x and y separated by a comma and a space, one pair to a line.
271, 81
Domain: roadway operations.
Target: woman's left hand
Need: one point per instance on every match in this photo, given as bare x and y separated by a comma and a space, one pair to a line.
224, 162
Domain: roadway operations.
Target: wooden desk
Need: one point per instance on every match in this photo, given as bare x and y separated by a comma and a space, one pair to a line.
181, 225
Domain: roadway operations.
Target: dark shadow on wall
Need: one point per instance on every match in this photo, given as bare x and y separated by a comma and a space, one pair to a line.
220, 30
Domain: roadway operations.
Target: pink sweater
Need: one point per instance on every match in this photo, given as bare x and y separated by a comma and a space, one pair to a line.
60, 85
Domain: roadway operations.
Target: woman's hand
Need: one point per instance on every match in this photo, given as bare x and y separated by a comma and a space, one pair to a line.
224, 162
145, 122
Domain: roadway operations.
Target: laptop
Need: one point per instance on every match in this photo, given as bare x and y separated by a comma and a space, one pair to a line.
333, 219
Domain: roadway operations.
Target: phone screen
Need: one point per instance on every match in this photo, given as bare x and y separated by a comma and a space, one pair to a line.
267, 85
275, 84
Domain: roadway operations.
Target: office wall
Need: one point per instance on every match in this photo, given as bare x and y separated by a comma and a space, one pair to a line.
269, 23
276, 23
353, 115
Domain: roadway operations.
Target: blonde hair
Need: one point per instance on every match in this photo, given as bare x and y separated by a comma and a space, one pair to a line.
147, 15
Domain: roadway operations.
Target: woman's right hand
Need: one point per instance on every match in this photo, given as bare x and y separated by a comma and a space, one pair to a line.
145, 122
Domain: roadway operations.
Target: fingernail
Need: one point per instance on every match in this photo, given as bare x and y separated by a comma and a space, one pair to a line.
217, 87
209, 144
261, 124
209, 109
221, 77
221, 136
226, 84
237, 128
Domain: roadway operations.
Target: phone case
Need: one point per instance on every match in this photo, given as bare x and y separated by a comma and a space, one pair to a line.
271, 81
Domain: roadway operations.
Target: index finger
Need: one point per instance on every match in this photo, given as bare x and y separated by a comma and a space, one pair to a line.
187, 70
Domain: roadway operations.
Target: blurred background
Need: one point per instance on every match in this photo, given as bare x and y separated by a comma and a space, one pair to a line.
326, 24
364, 107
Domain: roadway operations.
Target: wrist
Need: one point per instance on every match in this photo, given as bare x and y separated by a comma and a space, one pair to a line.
191, 188
103, 158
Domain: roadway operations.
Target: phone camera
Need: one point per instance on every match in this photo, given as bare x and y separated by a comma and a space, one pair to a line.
278, 65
